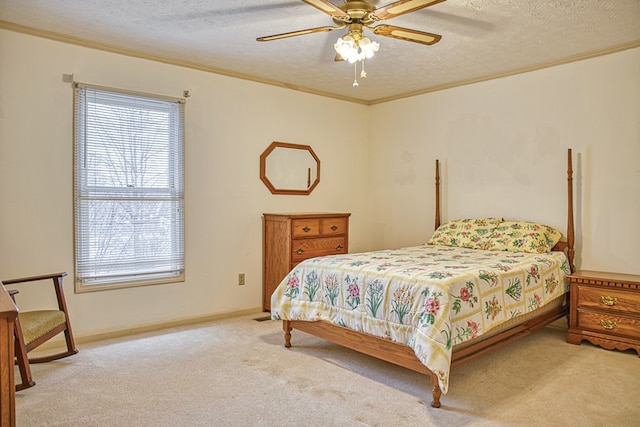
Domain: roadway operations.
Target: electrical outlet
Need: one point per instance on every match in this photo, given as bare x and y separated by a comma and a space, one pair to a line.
241, 279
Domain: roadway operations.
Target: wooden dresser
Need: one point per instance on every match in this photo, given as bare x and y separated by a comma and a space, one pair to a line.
8, 313
293, 237
605, 310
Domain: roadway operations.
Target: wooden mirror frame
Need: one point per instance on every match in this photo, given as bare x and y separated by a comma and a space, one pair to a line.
271, 186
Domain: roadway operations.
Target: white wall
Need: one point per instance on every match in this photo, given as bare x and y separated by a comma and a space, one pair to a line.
229, 122
502, 144
384, 177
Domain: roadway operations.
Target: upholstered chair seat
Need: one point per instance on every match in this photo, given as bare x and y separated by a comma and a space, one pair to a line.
36, 324
33, 328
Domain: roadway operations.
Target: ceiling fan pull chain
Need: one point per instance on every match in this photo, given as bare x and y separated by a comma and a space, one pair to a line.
363, 73
355, 74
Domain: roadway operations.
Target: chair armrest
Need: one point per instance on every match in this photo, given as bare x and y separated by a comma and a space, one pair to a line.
34, 278
57, 285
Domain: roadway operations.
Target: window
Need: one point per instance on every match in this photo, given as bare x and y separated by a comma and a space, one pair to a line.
129, 189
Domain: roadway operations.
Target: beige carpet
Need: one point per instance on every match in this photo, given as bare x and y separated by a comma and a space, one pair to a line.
236, 372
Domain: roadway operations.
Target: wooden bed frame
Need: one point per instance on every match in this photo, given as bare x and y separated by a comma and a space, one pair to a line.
404, 356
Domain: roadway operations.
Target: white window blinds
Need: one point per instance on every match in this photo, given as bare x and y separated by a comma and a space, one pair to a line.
129, 188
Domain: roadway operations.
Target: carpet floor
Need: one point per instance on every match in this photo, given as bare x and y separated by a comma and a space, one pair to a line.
236, 372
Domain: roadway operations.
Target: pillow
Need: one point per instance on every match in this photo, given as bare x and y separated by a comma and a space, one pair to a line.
523, 236
464, 233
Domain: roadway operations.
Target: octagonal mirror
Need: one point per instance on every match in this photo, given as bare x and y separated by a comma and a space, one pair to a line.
289, 168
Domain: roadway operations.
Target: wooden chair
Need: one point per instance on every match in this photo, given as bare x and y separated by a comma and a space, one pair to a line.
33, 328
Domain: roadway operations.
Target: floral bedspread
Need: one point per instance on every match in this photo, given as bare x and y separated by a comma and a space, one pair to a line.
427, 297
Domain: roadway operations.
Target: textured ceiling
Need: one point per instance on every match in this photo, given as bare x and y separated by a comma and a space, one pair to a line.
480, 38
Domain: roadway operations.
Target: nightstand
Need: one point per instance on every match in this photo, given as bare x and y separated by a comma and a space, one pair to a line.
605, 310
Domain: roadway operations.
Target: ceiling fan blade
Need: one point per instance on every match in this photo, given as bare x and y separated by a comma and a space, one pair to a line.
329, 8
406, 34
298, 33
400, 8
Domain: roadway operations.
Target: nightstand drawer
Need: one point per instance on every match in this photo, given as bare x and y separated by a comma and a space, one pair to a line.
609, 298
310, 248
610, 324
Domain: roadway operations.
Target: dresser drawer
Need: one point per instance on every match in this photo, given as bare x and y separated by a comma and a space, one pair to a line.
611, 299
310, 248
333, 226
305, 227
609, 323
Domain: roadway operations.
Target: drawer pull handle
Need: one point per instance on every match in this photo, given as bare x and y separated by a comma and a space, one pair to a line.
306, 229
300, 251
339, 248
609, 300
334, 227
608, 324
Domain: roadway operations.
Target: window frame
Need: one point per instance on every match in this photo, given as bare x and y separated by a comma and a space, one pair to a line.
127, 196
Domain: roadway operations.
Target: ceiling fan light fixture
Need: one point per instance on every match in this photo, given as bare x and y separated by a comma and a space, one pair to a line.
355, 49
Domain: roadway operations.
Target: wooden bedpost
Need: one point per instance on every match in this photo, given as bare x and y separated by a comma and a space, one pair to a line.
435, 391
570, 226
437, 194
286, 327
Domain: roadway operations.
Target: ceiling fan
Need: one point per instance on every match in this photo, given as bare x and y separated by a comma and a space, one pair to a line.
358, 14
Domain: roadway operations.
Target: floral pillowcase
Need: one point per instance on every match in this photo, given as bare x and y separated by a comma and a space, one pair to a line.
464, 233
522, 236
495, 234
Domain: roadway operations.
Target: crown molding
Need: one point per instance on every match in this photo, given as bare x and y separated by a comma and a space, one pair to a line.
196, 66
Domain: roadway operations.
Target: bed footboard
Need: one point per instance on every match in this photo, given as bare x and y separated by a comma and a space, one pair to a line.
404, 356
389, 351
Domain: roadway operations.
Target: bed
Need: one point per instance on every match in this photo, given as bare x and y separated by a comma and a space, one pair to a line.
475, 286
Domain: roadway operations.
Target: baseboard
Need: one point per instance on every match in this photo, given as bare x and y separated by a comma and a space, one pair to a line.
59, 342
